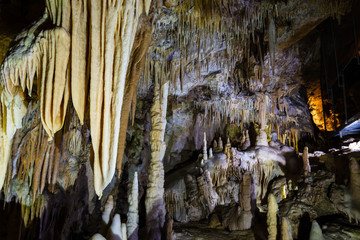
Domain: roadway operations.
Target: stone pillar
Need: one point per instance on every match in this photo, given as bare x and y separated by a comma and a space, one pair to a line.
154, 202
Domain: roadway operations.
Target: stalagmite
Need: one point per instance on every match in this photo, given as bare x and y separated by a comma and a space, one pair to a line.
305, 157
107, 210
220, 146
205, 155
97, 236
123, 231
115, 232
261, 102
133, 214
354, 183
227, 150
285, 229
215, 145
211, 153
245, 192
245, 195
247, 143
154, 202
316, 233
272, 217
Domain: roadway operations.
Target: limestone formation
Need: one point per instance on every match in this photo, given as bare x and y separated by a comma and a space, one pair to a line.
97, 236
47, 54
246, 143
154, 202
211, 153
220, 145
316, 232
115, 232
132, 223
205, 155
272, 217
261, 105
107, 210
123, 231
355, 184
285, 229
305, 158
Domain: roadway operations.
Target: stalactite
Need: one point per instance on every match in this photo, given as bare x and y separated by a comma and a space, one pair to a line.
52, 74
41, 151
110, 44
154, 202
133, 214
272, 41
136, 66
79, 46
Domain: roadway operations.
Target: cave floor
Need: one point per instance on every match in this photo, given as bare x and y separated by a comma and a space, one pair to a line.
202, 231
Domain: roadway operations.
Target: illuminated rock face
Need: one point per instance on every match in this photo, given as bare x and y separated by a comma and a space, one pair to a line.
77, 72
60, 60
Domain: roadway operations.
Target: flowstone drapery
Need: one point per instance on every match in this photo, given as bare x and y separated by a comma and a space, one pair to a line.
88, 52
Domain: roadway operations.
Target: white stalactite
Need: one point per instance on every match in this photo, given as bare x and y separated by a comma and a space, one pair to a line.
90, 46
154, 202
133, 213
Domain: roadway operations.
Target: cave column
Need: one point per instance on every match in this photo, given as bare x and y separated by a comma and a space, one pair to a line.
154, 202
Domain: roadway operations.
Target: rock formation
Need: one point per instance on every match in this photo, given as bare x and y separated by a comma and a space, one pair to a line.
305, 158
285, 229
108, 109
132, 223
316, 232
155, 206
272, 217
